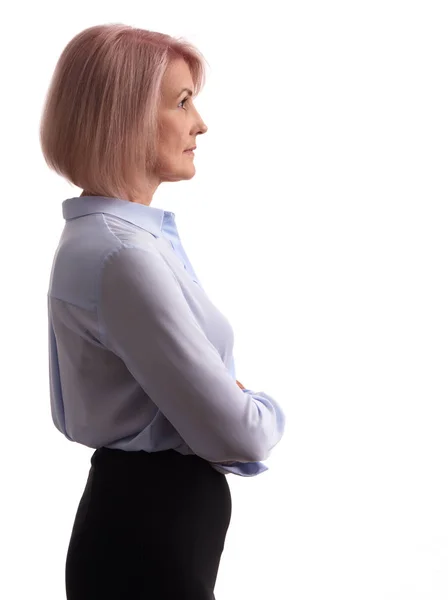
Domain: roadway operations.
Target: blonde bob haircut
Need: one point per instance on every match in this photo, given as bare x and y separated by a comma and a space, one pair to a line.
99, 125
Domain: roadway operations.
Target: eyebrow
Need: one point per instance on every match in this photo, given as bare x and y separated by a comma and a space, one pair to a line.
190, 93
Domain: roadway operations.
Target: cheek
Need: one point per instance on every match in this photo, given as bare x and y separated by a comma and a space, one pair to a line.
171, 157
171, 144
171, 148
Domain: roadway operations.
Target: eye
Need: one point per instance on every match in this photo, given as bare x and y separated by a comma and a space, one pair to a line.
184, 100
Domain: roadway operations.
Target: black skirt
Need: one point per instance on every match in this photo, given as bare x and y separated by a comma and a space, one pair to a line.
149, 526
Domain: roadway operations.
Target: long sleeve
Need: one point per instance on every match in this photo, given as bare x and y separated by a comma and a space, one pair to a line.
145, 319
249, 469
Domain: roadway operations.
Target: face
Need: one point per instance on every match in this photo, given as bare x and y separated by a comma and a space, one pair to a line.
180, 124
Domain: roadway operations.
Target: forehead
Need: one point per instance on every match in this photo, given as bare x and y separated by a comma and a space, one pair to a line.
177, 76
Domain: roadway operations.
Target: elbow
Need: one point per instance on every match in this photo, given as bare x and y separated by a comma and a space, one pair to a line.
251, 451
264, 442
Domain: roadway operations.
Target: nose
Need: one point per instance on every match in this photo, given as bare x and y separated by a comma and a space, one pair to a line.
202, 128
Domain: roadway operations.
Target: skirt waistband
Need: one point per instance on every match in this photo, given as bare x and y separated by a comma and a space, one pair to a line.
115, 459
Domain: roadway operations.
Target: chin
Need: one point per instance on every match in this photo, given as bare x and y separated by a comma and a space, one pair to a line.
189, 174
181, 175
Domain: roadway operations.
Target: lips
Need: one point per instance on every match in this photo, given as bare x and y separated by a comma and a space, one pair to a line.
190, 149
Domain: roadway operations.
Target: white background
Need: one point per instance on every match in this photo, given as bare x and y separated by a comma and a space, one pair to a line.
317, 223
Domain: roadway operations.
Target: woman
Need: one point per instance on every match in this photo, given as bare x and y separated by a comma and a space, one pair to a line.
141, 365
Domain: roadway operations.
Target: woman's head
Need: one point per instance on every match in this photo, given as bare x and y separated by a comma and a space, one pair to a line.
115, 122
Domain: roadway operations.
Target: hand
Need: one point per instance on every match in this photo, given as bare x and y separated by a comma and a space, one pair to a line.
240, 385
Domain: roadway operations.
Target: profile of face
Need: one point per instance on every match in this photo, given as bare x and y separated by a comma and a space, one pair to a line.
179, 123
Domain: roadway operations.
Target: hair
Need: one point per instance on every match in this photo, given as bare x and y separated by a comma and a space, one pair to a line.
99, 125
